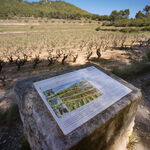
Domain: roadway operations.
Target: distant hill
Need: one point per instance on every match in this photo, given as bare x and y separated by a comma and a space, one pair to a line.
51, 9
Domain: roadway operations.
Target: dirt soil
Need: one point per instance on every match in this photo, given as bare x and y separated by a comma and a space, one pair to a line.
142, 120
11, 137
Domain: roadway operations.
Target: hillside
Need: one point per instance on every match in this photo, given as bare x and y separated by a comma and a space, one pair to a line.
53, 9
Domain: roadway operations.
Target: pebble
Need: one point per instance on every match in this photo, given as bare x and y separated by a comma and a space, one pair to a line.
142, 106
4, 141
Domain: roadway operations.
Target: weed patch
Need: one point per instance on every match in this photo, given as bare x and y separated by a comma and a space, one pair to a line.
132, 70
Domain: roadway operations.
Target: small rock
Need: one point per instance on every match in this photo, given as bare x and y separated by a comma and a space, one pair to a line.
4, 141
142, 106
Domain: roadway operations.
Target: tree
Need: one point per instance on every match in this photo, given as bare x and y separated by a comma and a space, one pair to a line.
114, 15
147, 9
44, 1
126, 13
122, 14
105, 17
139, 15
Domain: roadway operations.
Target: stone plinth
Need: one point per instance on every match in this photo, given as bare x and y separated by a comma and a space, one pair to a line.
107, 130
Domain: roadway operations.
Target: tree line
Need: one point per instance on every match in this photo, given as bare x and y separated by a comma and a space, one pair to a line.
121, 18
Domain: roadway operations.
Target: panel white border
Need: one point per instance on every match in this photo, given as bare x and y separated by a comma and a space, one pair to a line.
112, 92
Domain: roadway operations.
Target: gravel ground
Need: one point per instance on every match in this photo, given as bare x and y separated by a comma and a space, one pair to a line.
11, 137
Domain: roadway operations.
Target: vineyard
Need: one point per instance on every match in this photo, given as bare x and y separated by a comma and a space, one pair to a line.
68, 45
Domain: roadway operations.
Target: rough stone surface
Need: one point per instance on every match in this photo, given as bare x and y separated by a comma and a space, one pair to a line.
108, 130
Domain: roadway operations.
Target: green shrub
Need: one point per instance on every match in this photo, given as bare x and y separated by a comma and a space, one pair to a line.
125, 29
146, 29
108, 23
129, 23
26, 21
129, 30
32, 27
98, 29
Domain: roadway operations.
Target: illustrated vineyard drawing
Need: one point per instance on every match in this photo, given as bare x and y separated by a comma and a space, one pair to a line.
70, 96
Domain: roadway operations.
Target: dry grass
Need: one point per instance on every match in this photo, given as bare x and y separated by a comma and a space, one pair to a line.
132, 142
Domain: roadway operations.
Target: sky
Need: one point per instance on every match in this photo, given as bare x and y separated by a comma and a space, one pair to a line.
105, 7
65, 86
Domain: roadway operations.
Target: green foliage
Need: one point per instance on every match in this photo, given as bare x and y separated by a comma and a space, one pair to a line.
129, 23
124, 30
139, 15
122, 14
147, 9
140, 22
121, 18
53, 9
32, 27
146, 29
45, 8
98, 29
129, 30
98, 17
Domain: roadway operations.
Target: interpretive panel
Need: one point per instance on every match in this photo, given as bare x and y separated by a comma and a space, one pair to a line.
74, 98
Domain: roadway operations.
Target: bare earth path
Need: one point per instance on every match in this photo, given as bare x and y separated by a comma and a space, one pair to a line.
142, 121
